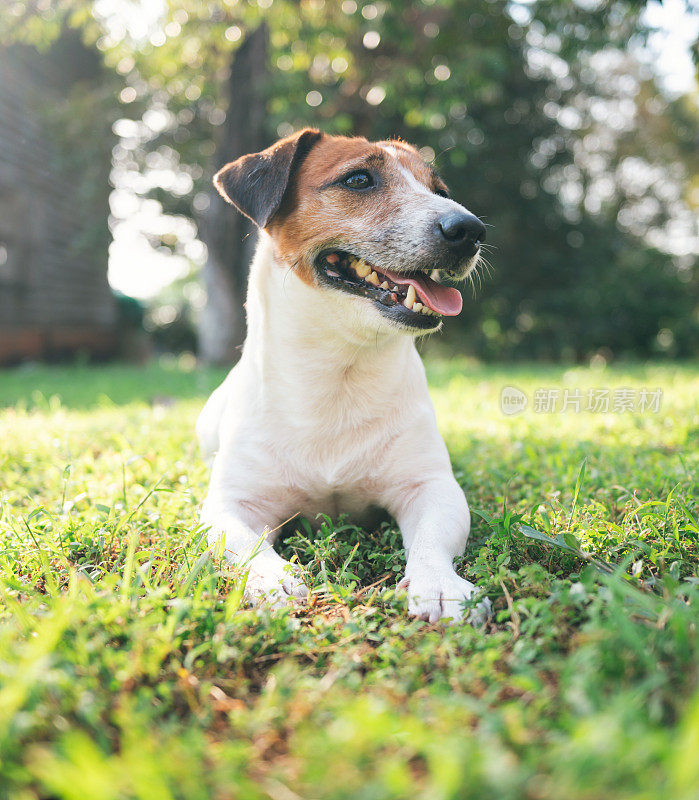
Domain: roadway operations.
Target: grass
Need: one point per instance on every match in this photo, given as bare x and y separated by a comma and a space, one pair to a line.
130, 668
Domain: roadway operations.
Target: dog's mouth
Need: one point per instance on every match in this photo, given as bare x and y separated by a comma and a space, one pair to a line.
412, 298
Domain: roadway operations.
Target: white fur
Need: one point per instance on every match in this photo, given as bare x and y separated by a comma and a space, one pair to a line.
328, 411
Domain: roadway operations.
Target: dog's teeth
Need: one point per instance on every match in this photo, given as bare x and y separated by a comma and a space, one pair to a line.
434, 275
417, 306
362, 268
385, 285
410, 297
373, 278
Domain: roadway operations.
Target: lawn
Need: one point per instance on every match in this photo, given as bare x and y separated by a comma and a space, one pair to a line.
131, 668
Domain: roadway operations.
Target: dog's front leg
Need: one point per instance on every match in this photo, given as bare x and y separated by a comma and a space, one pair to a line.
435, 521
247, 540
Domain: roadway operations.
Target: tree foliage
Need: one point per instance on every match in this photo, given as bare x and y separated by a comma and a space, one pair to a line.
541, 117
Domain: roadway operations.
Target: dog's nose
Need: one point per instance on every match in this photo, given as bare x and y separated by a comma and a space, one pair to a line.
461, 229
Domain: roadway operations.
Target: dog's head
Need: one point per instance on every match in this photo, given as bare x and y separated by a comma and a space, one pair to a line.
368, 220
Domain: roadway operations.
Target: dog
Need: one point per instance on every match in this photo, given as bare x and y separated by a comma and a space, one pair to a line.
328, 409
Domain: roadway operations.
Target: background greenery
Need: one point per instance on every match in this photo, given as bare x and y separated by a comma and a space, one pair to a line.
542, 116
129, 667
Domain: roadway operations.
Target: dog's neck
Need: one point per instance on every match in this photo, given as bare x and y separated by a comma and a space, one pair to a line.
310, 338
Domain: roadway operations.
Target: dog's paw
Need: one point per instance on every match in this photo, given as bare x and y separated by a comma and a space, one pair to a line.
435, 595
274, 583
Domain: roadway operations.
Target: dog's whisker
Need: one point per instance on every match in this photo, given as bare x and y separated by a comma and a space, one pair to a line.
487, 265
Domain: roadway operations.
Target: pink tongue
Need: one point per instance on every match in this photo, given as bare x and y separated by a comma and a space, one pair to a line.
443, 299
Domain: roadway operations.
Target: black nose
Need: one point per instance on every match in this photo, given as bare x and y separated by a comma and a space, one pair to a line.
462, 229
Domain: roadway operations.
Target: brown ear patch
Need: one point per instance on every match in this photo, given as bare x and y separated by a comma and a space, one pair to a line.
257, 183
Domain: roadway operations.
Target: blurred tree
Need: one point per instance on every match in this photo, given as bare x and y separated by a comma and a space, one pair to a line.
540, 115
230, 238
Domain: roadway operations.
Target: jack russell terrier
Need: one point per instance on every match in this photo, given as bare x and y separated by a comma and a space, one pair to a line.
328, 408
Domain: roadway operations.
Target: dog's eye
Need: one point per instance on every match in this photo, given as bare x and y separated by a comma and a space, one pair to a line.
358, 180
441, 193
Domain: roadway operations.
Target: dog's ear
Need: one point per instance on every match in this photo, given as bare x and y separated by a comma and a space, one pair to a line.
256, 184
